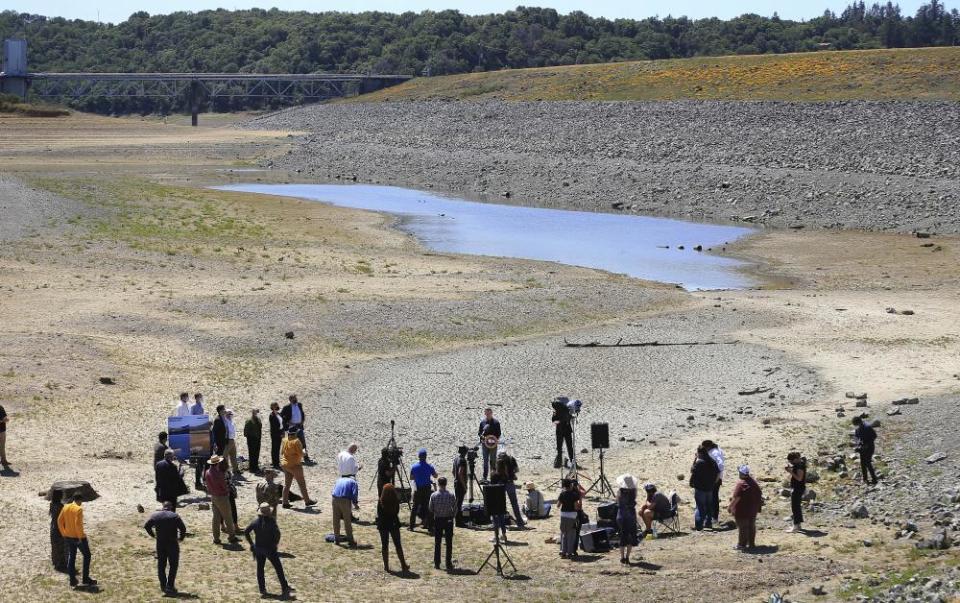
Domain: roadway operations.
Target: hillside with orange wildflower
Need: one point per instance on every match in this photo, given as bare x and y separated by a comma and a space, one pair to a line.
897, 74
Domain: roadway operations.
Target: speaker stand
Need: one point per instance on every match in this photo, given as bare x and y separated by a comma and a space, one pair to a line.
498, 550
602, 484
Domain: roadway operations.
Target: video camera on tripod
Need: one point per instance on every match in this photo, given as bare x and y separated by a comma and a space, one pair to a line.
391, 468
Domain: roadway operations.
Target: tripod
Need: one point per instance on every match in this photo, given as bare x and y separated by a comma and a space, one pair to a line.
570, 465
395, 462
498, 549
602, 484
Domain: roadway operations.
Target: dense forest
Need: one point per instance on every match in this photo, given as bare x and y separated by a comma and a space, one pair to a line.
436, 43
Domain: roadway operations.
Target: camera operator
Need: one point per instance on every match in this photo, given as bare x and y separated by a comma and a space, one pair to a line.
422, 474
386, 470
563, 420
488, 427
460, 481
506, 473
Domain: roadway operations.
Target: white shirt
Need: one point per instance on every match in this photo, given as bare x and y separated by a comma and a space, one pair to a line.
347, 463
231, 430
718, 457
296, 417
182, 409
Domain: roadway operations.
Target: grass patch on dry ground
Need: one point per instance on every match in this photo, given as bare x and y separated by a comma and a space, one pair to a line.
898, 74
10, 103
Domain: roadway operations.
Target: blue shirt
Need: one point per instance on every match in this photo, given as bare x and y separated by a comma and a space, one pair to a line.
421, 472
196, 409
346, 487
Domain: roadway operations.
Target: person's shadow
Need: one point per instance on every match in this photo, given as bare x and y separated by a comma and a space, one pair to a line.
181, 595
8, 472
767, 549
405, 574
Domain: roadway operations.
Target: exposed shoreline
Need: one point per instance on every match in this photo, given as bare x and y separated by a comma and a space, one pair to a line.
764, 163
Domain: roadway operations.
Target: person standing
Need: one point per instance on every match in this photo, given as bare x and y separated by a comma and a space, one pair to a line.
388, 524
386, 470
231, 448
169, 481
160, 448
745, 505
269, 492
183, 406
562, 421
421, 474
346, 493
488, 427
498, 520
197, 407
215, 479
865, 438
460, 481
276, 434
291, 461
252, 431
3, 438
443, 508
166, 527
797, 469
719, 458
294, 417
265, 547
219, 431
70, 524
507, 468
569, 500
703, 479
627, 515
347, 464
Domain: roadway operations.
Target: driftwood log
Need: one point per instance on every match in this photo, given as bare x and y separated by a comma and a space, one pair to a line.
642, 344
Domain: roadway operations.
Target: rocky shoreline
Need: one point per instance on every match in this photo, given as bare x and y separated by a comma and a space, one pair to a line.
885, 166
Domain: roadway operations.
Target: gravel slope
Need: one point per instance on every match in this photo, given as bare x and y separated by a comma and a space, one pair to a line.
870, 165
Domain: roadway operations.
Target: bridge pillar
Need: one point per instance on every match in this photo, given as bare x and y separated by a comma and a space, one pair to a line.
194, 102
14, 85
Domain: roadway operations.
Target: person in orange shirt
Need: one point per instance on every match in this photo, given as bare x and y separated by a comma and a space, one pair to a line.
70, 524
291, 461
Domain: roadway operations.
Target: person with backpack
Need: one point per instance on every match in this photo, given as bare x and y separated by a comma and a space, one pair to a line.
865, 438
797, 469
745, 505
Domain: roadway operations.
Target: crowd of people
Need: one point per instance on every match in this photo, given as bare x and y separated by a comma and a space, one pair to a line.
433, 505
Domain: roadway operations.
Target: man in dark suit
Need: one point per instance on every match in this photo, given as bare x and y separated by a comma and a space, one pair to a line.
293, 416
276, 434
219, 431
169, 481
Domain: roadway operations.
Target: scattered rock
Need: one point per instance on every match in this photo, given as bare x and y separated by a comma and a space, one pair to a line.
140, 509
289, 335
894, 412
107, 381
906, 401
936, 457
858, 510
939, 541
818, 590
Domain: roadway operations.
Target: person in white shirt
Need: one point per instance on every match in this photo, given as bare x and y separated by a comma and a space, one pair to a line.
347, 464
718, 457
230, 452
183, 407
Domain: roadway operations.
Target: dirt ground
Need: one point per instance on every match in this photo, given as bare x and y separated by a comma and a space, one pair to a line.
140, 274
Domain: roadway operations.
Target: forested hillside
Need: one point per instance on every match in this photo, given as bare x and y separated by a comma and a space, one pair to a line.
445, 42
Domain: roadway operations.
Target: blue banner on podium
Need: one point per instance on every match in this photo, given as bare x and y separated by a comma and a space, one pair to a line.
189, 436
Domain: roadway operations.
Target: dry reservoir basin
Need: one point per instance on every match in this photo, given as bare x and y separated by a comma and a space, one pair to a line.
638, 246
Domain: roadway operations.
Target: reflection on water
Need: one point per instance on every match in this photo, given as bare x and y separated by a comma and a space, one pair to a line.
638, 246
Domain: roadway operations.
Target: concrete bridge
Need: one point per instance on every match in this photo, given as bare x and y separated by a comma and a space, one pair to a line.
193, 87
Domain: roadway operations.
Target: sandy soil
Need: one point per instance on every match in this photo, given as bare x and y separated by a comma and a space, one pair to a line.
167, 288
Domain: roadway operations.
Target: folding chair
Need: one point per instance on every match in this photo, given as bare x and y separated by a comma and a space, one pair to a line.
672, 521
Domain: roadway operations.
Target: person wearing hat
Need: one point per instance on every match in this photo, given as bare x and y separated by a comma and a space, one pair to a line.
253, 431
657, 507
291, 461
422, 474
265, 547
745, 505
536, 506
627, 515
268, 491
215, 478
166, 527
